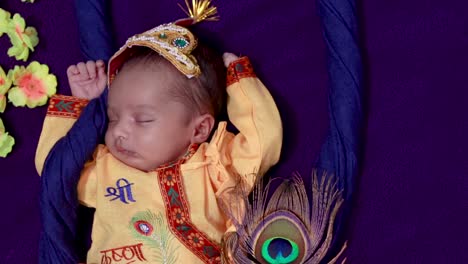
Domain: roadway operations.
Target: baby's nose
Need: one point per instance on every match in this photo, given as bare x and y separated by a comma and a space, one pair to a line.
121, 130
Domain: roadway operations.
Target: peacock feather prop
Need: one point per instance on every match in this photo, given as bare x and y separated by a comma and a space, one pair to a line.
286, 228
152, 230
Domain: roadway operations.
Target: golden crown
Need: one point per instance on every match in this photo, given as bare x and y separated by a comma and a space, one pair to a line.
173, 41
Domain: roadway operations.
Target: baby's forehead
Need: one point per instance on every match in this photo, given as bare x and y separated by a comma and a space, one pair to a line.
138, 96
144, 74
142, 84
154, 63
147, 106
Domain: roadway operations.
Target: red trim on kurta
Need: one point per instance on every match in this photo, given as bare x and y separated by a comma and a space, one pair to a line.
66, 106
241, 68
178, 213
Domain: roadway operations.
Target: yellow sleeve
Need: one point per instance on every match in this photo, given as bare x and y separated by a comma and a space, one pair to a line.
61, 115
87, 185
253, 111
250, 153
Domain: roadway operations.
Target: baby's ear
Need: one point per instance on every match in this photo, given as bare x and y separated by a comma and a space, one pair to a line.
202, 126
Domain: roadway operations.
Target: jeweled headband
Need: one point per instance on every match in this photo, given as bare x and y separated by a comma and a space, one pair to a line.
172, 41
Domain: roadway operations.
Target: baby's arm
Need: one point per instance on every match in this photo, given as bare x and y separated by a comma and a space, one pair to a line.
87, 81
253, 111
257, 146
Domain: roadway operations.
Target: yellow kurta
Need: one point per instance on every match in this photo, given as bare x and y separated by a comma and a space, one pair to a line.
172, 215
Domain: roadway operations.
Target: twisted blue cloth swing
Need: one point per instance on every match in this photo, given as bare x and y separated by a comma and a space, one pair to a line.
61, 239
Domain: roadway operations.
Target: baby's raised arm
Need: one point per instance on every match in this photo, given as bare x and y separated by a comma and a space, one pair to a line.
253, 112
87, 82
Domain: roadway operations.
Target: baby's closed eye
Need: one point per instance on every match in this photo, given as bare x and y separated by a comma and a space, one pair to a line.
144, 119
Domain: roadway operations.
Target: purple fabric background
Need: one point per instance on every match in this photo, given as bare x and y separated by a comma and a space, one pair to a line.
411, 198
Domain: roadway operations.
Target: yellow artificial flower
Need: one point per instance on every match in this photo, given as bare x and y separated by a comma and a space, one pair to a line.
23, 39
5, 84
6, 141
32, 86
4, 21
3, 103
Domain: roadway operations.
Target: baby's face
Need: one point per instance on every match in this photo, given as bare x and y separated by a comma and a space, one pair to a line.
147, 127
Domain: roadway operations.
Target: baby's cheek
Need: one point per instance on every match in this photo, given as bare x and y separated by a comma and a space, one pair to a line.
145, 139
149, 142
108, 137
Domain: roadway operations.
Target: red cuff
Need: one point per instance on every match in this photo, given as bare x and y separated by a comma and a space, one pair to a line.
238, 69
66, 106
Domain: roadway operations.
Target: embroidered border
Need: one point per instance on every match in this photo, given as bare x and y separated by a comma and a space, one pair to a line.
178, 214
66, 106
241, 68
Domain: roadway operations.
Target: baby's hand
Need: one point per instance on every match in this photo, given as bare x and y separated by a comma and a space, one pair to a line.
87, 80
228, 58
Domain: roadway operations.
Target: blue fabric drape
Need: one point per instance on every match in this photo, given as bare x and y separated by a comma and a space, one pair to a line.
62, 240
341, 151
94, 27
59, 241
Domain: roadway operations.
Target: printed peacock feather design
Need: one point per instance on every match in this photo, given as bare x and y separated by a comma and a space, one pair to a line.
286, 228
152, 230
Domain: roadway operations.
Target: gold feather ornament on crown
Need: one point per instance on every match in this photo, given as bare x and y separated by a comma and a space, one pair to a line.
200, 10
173, 41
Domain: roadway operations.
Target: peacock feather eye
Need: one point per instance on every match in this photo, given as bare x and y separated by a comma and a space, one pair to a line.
282, 238
143, 227
280, 250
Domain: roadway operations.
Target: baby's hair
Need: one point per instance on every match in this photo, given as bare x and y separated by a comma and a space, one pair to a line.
205, 93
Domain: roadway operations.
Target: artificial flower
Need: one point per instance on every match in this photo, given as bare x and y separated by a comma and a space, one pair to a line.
22, 38
32, 86
5, 84
6, 141
4, 21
